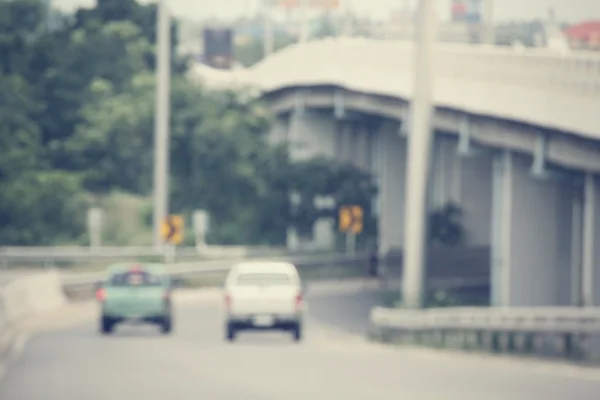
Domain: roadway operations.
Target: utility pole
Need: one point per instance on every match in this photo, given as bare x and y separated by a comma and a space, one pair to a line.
161, 121
419, 159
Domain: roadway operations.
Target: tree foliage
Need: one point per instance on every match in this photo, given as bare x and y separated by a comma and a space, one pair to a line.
77, 111
446, 225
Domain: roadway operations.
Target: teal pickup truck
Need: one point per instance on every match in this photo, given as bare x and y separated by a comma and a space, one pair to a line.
135, 293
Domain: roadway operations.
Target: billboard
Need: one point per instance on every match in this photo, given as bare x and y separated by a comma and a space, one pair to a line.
218, 47
467, 11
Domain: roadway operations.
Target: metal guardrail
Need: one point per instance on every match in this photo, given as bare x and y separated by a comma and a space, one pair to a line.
82, 282
555, 331
542, 319
71, 253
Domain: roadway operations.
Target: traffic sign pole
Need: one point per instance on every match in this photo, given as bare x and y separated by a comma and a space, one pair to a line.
95, 226
161, 123
169, 254
350, 243
200, 222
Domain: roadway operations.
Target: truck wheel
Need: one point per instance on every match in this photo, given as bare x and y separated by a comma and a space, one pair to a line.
297, 332
166, 326
231, 332
106, 325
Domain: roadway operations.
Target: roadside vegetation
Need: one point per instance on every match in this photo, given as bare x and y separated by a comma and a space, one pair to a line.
77, 112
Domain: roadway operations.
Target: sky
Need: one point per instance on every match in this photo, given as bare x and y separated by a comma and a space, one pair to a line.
504, 10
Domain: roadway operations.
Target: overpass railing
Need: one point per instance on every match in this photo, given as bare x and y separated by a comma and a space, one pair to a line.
570, 72
575, 73
567, 332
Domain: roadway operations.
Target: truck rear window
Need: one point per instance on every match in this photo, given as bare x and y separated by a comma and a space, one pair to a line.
263, 279
137, 278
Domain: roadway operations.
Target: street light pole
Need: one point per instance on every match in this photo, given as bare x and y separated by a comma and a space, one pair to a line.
161, 122
419, 159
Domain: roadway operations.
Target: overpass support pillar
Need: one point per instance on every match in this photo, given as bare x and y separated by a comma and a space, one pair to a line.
591, 242
464, 178
531, 236
390, 170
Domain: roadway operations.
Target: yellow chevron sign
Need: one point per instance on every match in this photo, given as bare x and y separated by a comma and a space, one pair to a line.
172, 229
351, 219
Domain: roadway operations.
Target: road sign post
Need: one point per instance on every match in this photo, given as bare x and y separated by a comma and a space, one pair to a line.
200, 221
169, 254
351, 222
350, 243
94, 220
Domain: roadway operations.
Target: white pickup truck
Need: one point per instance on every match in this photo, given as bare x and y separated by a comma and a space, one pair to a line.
263, 296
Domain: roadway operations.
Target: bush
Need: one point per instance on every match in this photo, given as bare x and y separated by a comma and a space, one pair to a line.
446, 225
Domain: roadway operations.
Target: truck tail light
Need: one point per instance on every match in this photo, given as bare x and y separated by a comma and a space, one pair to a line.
136, 268
228, 301
166, 297
299, 301
101, 295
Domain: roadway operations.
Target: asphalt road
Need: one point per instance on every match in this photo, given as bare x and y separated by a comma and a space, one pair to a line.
77, 363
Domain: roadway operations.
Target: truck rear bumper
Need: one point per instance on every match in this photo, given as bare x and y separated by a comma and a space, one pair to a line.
136, 319
264, 321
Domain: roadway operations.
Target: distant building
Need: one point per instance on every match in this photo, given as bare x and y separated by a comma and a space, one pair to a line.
449, 32
401, 26
585, 35
469, 11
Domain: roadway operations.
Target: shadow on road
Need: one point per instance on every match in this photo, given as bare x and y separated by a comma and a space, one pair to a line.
348, 312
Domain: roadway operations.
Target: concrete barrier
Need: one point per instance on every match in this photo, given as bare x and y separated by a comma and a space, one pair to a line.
25, 298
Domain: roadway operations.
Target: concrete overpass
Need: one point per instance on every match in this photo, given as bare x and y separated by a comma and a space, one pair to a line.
517, 146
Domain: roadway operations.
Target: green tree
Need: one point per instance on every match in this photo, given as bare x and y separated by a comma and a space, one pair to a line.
251, 52
41, 208
77, 112
326, 27
446, 225
112, 147
344, 183
36, 206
